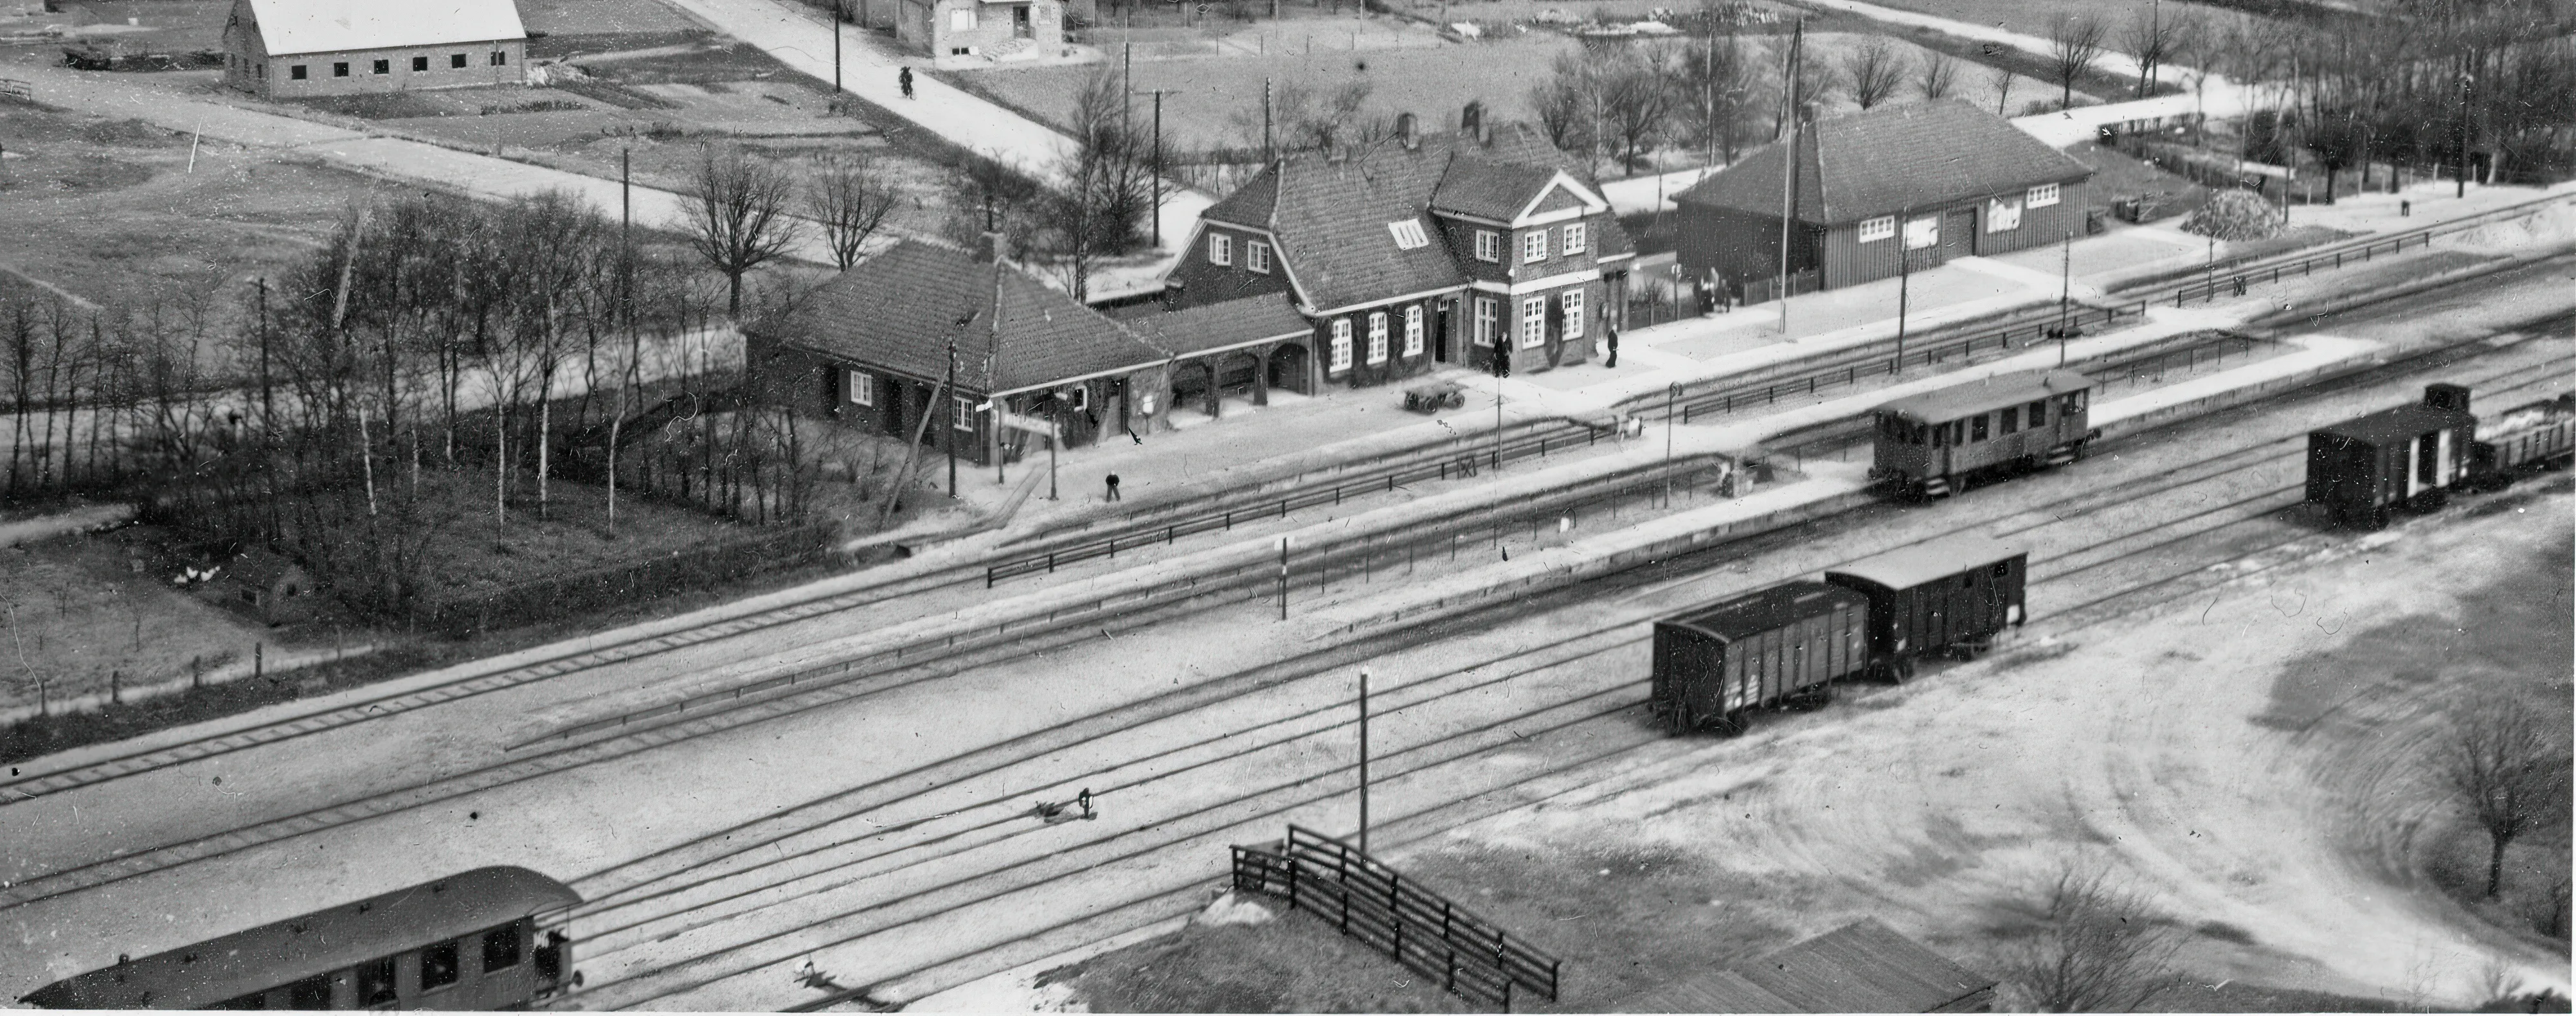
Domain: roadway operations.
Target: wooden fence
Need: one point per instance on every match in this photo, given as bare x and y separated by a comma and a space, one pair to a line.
1372, 903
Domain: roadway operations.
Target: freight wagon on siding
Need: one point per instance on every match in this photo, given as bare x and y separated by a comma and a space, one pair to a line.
1951, 594
1784, 643
486, 939
1933, 444
2524, 439
2408, 457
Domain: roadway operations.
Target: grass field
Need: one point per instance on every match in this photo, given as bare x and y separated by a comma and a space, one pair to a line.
2035, 16
79, 608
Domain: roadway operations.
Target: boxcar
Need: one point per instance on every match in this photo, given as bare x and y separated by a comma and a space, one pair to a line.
1954, 593
2524, 439
491, 938
1789, 641
2410, 457
1931, 445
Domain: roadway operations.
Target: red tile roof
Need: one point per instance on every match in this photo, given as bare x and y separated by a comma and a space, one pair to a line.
1885, 160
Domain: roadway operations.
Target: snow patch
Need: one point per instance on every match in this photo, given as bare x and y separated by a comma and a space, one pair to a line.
1233, 908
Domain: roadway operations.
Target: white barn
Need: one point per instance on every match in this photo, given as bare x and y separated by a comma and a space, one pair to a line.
297, 48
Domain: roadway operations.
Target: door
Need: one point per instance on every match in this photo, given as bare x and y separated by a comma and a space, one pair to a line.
1958, 230
1442, 323
1020, 21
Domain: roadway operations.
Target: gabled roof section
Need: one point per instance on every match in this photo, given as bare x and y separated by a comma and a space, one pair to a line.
1251, 204
898, 310
1885, 160
1563, 191
1931, 561
1864, 966
1952, 402
289, 27
1489, 190
1241, 322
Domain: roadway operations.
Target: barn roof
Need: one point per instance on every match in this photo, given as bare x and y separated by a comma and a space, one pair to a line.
1864, 966
288, 27
1992, 393
1757, 612
299, 947
1883, 161
1929, 561
897, 311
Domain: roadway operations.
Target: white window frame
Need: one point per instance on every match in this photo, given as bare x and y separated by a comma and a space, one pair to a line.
1534, 247
1408, 234
859, 387
1079, 396
1341, 350
1573, 300
1220, 249
965, 413
1881, 228
1256, 256
1413, 330
2041, 196
1533, 322
1377, 338
961, 19
1575, 239
1489, 246
1489, 319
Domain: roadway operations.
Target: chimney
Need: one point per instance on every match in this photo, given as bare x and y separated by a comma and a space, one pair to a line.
1404, 132
2447, 396
1172, 294
1471, 120
988, 247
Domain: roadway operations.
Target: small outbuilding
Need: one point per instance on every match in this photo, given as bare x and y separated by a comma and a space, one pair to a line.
291, 49
1951, 179
989, 29
278, 589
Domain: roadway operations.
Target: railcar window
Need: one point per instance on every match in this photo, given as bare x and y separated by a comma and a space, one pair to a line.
376, 981
1940, 436
2070, 403
1977, 428
2012, 419
310, 994
501, 948
2039, 414
438, 965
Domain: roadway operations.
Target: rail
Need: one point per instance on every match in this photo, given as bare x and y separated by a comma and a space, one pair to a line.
1373, 904
1871, 363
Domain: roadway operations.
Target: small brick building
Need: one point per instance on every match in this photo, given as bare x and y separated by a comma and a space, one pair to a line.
993, 29
290, 49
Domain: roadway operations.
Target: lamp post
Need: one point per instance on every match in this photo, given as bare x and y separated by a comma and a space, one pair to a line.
1672, 421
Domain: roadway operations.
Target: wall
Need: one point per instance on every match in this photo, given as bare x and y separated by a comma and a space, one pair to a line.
1398, 365
1847, 261
930, 31
1204, 282
244, 57
1740, 246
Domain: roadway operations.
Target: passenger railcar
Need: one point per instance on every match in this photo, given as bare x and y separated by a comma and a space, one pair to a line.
1790, 642
1952, 594
2524, 439
1787, 642
491, 938
2409, 457
1933, 444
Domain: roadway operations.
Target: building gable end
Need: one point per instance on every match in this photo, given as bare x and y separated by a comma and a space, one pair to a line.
1562, 194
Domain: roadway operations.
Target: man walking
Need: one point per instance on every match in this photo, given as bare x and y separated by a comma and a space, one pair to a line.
1113, 487
904, 78
1614, 346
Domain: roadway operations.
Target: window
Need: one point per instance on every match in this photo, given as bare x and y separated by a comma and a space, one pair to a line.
1489, 314
501, 948
1341, 351
1534, 247
420, 63
1574, 239
1220, 249
2039, 414
861, 386
376, 981
340, 69
2070, 403
1874, 230
1144, 403
2041, 196
1377, 337
961, 51
296, 72
500, 58
311, 994
2002, 216
1408, 234
1573, 314
961, 20
456, 61
1489, 245
1256, 256
384, 67
1533, 322
1940, 435
1413, 330
261, 70
2012, 419
965, 414
1977, 428
1923, 232
1079, 397
438, 965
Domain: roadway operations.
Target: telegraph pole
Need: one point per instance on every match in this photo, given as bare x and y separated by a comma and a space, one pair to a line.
2065, 290
1904, 284
1789, 163
1158, 94
836, 47
1364, 681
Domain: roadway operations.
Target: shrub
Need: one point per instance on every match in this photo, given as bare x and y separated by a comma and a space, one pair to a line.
2234, 215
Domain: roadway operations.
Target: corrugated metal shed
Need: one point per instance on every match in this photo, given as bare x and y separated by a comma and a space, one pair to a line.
1908, 567
1994, 393
1768, 609
325, 940
288, 27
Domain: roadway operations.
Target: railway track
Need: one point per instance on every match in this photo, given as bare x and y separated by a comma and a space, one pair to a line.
987, 824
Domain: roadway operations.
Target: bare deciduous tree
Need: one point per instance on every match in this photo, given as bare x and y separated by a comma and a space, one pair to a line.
851, 199
1937, 76
1637, 102
2003, 79
2075, 43
737, 210
2506, 767
2150, 41
1875, 71
2099, 946
1714, 80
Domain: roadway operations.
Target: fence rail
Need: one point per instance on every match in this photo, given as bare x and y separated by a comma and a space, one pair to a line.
1727, 400
16, 89
2208, 289
1372, 903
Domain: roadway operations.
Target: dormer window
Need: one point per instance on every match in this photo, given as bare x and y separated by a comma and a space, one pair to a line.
1574, 239
1256, 256
1220, 249
1489, 245
1408, 234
